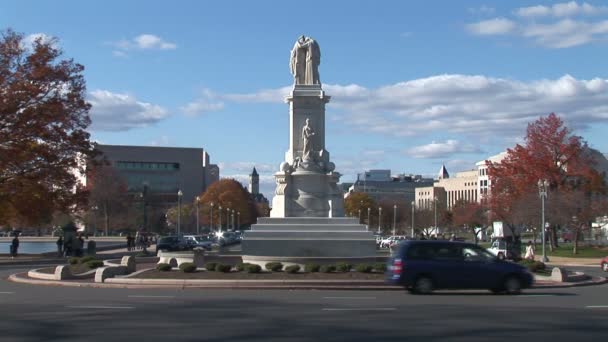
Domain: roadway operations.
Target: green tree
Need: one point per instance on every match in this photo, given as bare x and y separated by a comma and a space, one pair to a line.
359, 201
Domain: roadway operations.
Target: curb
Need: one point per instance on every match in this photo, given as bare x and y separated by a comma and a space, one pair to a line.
253, 285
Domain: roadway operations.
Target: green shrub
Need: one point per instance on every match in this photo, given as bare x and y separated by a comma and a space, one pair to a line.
163, 267
274, 266
343, 267
187, 267
292, 269
210, 266
86, 259
533, 265
312, 268
327, 268
380, 267
94, 264
364, 268
223, 268
240, 267
73, 260
252, 268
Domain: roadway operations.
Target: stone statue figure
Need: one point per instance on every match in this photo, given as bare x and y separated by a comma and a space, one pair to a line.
305, 60
307, 138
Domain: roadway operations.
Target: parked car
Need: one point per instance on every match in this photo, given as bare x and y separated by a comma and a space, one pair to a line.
391, 240
172, 244
604, 264
422, 266
200, 241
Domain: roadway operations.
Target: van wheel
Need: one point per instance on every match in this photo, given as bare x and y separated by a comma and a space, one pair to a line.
512, 285
500, 256
423, 285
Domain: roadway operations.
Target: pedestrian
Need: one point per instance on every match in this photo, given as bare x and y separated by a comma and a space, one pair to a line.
60, 246
80, 250
453, 237
529, 251
67, 247
129, 241
14, 247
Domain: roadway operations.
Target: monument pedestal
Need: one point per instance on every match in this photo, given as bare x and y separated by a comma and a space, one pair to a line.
302, 240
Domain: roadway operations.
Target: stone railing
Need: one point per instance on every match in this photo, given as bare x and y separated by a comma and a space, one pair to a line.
62, 272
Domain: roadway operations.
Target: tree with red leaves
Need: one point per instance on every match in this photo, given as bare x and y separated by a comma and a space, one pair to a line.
552, 152
228, 194
43, 139
471, 216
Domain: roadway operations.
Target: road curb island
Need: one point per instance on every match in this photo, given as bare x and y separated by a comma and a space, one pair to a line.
253, 284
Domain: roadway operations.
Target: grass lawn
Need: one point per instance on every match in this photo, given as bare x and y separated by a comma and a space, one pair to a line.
565, 250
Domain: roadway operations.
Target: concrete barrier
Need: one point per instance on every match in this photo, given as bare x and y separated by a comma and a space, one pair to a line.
196, 256
104, 273
62, 272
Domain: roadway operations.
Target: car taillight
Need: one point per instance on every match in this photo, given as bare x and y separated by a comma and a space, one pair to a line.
397, 267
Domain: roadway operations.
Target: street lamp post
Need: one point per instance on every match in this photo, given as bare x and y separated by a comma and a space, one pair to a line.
220, 218
543, 186
179, 211
144, 196
435, 202
238, 219
394, 219
369, 211
379, 219
232, 219
228, 219
198, 229
211, 217
359, 215
413, 211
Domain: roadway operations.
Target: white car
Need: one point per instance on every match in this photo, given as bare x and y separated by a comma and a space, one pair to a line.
391, 240
499, 248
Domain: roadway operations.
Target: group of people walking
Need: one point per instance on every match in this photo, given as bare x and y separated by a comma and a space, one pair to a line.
139, 241
72, 247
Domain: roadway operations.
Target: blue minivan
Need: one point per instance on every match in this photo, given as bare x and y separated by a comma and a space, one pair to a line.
422, 266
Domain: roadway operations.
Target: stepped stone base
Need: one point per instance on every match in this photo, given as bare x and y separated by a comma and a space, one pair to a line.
297, 239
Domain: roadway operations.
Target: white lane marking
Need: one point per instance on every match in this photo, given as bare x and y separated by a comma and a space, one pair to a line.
6, 292
596, 307
359, 309
100, 307
349, 297
538, 295
144, 296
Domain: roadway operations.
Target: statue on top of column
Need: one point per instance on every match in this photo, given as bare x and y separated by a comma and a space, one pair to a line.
305, 60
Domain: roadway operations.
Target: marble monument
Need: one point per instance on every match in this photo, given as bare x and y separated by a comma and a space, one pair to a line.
306, 222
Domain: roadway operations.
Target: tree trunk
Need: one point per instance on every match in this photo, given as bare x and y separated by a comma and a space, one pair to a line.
551, 233
575, 237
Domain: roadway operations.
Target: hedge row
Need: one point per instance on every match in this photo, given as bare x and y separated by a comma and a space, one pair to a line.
278, 267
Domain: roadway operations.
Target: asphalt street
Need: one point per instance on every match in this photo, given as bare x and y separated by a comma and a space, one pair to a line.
45, 313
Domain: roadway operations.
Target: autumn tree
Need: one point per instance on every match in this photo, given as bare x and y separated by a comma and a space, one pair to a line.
552, 152
359, 202
469, 215
43, 139
227, 194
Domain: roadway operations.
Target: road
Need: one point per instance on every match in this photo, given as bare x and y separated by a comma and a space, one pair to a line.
43, 313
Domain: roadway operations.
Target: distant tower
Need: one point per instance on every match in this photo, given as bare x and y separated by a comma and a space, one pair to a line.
443, 173
254, 182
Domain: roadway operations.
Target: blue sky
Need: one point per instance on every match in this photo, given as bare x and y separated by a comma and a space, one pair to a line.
414, 84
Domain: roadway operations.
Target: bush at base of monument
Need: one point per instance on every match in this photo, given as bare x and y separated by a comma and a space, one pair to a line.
312, 268
94, 264
274, 266
210, 266
380, 267
327, 268
253, 268
343, 267
240, 267
163, 267
364, 268
223, 268
187, 267
292, 269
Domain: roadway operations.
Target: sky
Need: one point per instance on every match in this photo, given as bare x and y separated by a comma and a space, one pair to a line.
414, 84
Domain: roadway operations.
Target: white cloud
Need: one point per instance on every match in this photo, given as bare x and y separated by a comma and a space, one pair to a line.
565, 9
142, 42
566, 33
558, 31
474, 105
161, 141
483, 10
208, 101
441, 149
152, 42
121, 112
492, 26
29, 40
